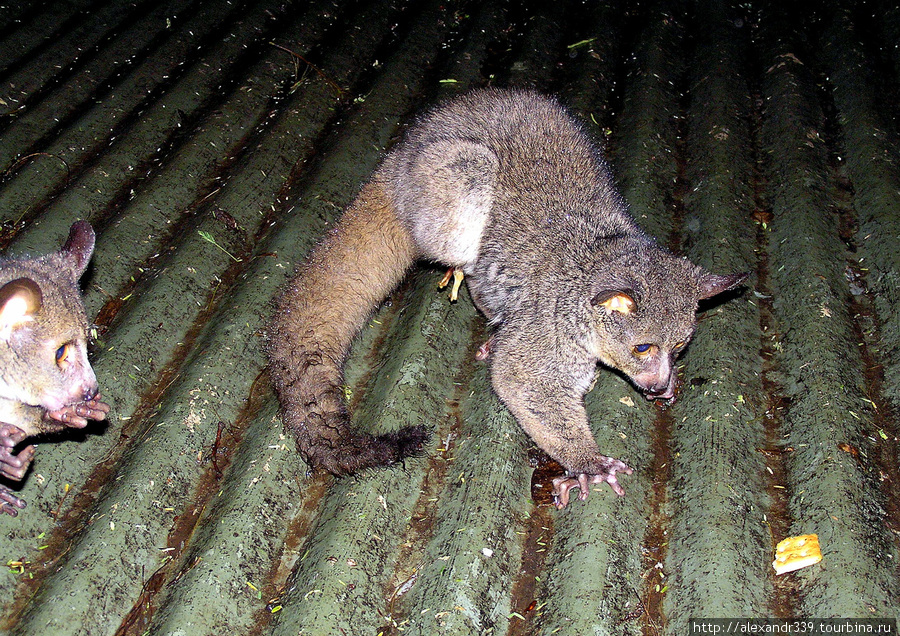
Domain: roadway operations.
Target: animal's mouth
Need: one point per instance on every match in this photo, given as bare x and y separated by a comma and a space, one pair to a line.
665, 394
658, 391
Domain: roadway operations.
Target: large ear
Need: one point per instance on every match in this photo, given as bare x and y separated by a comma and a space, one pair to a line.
20, 300
618, 300
712, 284
79, 246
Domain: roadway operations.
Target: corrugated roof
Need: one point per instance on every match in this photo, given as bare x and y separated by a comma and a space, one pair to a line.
211, 143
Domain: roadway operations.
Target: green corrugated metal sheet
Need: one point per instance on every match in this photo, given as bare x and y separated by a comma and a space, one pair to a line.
211, 142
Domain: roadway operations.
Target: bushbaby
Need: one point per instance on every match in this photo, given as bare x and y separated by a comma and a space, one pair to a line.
507, 189
46, 381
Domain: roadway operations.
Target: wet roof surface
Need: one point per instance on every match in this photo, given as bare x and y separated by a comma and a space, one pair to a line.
211, 143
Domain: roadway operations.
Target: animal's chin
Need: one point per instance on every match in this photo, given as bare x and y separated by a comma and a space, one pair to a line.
53, 402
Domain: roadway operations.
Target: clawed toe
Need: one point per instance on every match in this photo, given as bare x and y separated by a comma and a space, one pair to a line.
15, 466
561, 488
582, 481
9, 503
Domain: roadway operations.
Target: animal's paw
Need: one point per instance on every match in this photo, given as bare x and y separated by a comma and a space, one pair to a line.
582, 481
13, 466
9, 503
77, 415
484, 351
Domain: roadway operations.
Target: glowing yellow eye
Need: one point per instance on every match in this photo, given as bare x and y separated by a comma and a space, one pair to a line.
642, 349
62, 354
680, 345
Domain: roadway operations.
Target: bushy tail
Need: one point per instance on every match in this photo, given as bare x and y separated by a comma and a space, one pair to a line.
318, 315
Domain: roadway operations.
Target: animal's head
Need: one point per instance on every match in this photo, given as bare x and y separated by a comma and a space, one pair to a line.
43, 328
647, 315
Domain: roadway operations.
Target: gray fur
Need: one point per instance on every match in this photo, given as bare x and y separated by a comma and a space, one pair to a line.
506, 186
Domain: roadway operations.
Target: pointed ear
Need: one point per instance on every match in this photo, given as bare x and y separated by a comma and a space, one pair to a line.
712, 284
619, 300
79, 246
20, 300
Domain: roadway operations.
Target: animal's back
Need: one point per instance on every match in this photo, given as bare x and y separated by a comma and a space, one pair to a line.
513, 175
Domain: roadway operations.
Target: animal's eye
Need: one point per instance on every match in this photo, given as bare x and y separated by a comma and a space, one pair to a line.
642, 349
680, 345
62, 354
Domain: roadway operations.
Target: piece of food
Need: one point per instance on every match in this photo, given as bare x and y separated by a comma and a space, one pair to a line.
794, 553
457, 275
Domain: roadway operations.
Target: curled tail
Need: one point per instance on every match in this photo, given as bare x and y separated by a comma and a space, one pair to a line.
318, 315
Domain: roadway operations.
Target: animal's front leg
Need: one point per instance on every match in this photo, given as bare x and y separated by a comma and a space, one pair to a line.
545, 398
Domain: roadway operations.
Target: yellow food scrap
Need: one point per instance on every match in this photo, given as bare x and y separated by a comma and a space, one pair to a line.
457, 275
794, 553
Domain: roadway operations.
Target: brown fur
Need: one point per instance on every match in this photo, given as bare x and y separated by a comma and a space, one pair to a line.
320, 312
